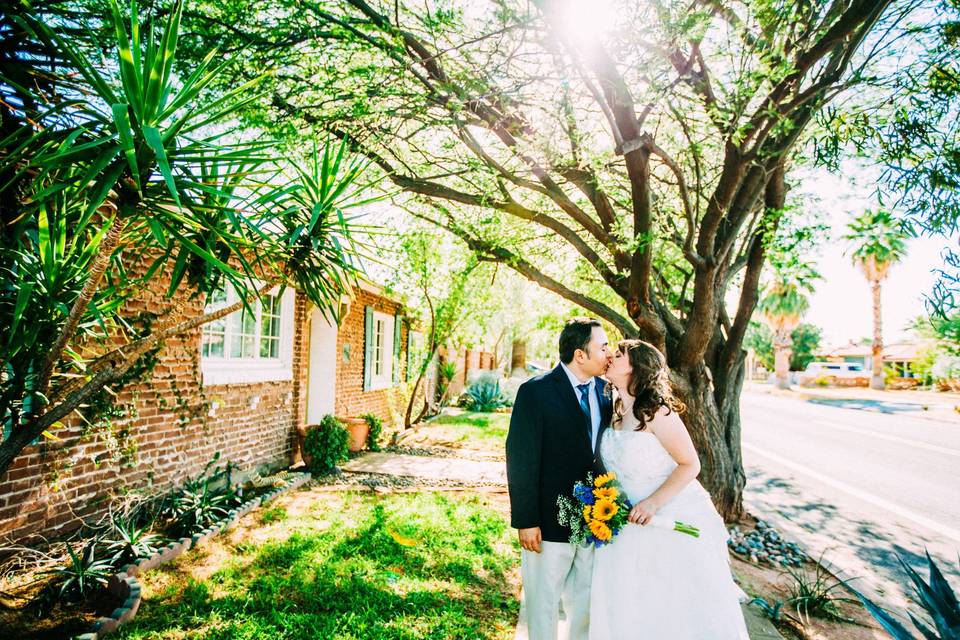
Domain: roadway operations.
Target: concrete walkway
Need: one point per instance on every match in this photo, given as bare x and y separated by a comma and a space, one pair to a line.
482, 472
428, 468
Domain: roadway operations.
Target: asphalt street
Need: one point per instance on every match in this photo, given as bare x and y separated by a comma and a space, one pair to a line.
858, 486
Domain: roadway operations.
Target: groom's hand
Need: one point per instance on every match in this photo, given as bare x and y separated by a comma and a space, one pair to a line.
530, 539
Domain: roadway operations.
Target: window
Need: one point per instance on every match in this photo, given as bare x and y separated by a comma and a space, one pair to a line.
253, 345
381, 351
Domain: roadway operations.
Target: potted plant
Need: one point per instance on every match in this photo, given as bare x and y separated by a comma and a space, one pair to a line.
358, 428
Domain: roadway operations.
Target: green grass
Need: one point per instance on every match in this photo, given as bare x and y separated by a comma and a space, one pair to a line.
483, 430
352, 566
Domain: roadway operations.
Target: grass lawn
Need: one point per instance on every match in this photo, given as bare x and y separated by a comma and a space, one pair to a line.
467, 430
343, 565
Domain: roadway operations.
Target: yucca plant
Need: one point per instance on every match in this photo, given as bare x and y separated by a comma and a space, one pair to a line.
815, 594
937, 599
119, 161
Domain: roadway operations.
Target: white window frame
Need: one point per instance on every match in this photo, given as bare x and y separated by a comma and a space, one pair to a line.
383, 354
217, 370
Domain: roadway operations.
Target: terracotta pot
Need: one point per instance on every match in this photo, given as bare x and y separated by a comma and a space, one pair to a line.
301, 440
358, 430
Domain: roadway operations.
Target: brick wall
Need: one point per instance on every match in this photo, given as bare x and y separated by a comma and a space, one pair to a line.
178, 425
351, 400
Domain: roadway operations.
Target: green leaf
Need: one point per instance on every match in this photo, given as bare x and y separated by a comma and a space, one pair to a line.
121, 117
154, 141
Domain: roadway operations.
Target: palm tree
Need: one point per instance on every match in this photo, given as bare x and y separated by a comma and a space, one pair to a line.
877, 242
782, 307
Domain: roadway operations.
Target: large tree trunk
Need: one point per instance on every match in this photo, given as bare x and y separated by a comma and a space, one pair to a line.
781, 358
876, 382
715, 429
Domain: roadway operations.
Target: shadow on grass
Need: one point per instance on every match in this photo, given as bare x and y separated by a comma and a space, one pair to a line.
394, 576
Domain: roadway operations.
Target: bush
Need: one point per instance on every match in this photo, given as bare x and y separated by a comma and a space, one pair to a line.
376, 428
327, 444
484, 395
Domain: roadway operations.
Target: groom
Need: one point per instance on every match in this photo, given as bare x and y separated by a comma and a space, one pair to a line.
554, 431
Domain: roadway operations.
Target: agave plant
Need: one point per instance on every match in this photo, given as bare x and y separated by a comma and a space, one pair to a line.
484, 395
83, 573
129, 541
937, 599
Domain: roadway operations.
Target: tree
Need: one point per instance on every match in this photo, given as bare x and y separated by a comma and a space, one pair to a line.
441, 281
655, 150
781, 308
804, 342
876, 244
106, 164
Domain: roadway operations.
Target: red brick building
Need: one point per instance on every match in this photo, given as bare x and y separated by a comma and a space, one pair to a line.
239, 387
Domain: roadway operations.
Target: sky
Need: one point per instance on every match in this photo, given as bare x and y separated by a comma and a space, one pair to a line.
842, 305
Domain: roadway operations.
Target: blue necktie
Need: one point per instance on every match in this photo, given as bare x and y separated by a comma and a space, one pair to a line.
585, 405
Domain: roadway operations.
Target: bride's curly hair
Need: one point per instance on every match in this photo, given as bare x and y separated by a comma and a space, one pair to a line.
649, 382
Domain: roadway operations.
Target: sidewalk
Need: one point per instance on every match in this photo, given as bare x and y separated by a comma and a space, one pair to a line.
930, 405
486, 473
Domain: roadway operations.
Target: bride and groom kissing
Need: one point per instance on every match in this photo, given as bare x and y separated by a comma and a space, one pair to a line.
649, 583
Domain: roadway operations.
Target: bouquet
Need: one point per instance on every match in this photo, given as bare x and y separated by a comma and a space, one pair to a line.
598, 511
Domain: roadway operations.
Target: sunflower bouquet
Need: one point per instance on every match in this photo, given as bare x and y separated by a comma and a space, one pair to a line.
598, 511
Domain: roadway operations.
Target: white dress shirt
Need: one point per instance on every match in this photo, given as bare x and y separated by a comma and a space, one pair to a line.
594, 402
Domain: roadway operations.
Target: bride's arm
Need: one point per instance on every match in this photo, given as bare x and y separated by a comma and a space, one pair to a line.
672, 434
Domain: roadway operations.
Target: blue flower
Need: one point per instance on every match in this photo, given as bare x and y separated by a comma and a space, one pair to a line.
583, 493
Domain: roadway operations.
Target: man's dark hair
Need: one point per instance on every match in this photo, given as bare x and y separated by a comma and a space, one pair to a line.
576, 335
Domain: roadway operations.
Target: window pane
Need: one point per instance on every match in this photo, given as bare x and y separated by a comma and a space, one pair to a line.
269, 347
212, 345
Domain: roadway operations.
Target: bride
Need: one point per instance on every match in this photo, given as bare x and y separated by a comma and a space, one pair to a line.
651, 582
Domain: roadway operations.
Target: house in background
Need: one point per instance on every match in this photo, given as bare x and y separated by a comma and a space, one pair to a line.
240, 387
898, 355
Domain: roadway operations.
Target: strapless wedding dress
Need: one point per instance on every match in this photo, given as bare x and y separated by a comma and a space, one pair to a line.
657, 584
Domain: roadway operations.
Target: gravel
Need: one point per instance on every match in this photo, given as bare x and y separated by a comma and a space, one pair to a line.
765, 544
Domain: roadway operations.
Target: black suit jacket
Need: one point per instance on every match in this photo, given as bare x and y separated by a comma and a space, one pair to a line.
548, 450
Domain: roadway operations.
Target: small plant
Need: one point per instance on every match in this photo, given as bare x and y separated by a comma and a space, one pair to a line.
326, 444
813, 594
376, 428
772, 611
274, 514
82, 574
938, 600
127, 541
446, 372
202, 500
484, 396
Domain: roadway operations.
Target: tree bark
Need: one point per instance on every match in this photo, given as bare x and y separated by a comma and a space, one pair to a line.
781, 358
715, 429
876, 381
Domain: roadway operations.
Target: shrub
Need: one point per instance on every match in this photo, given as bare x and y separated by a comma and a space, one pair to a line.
484, 395
376, 428
327, 444
82, 574
446, 372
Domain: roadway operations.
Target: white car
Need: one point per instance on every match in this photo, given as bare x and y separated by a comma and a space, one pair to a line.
835, 369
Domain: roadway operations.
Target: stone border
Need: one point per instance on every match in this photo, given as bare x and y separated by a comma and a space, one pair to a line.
126, 587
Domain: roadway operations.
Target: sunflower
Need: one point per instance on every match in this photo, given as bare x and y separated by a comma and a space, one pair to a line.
604, 479
586, 512
606, 493
605, 509
600, 531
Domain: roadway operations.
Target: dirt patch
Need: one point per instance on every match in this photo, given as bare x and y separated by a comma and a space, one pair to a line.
38, 620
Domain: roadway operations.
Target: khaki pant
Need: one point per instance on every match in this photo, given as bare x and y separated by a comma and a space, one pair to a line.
555, 603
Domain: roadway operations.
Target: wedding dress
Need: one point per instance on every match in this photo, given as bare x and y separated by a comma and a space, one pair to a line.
652, 583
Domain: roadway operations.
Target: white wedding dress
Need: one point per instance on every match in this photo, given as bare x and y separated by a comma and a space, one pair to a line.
657, 584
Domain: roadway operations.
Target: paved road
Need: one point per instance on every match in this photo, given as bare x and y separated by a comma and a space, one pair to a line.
860, 486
